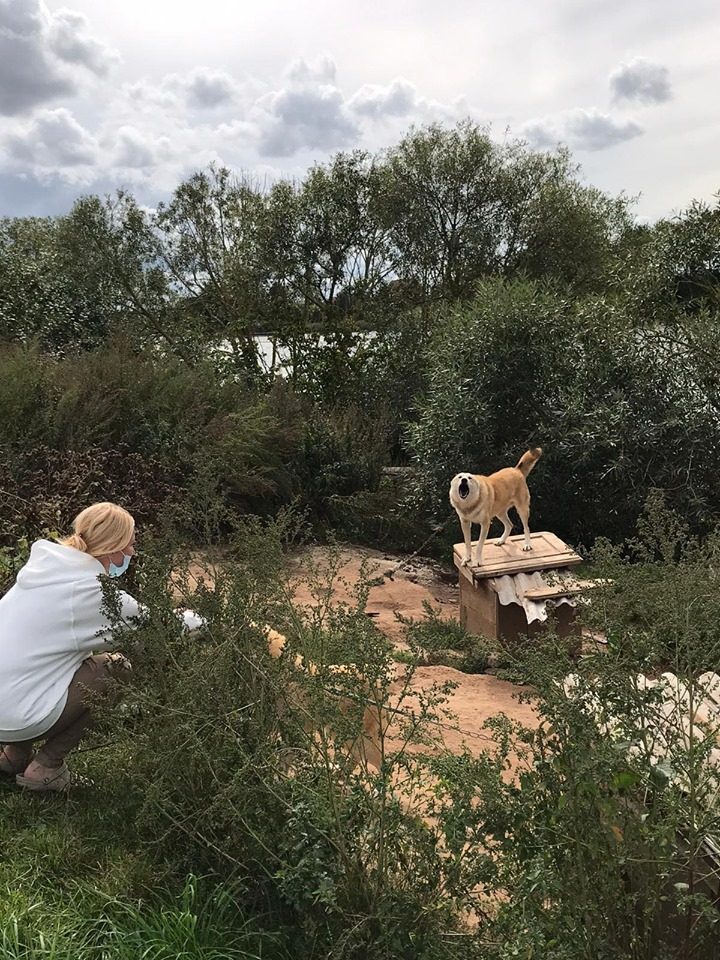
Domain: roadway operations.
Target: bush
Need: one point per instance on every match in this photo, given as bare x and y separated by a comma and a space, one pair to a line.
436, 640
599, 839
662, 599
523, 366
340, 455
224, 761
587, 836
43, 489
154, 432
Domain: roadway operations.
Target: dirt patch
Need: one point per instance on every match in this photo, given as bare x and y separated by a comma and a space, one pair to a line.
477, 697
405, 592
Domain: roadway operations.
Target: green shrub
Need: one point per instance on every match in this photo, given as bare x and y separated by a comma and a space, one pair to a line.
152, 431
617, 411
587, 837
224, 761
662, 599
341, 454
438, 640
221, 761
43, 489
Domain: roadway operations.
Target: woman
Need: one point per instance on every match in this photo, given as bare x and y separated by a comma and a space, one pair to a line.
53, 629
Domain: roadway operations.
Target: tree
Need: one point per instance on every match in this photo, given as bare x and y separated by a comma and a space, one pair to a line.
119, 255
44, 291
209, 244
442, 206
688, 248
460, 207
563, 231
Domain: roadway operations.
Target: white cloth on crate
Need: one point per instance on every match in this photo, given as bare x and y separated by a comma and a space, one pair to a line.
512, 588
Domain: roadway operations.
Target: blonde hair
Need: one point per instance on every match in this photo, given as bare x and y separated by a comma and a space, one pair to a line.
101, 529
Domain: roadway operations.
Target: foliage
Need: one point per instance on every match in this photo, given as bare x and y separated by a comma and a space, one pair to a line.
357, 240
587, 835
661, 599
145, 430
675, 266
449, 301
197, 924
435, 639
223, 762
44, 488
453, 297
615, 415
462, 208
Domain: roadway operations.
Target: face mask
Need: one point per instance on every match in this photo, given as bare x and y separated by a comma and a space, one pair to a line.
116, 571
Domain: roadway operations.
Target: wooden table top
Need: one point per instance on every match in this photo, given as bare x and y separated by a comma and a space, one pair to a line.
548, 553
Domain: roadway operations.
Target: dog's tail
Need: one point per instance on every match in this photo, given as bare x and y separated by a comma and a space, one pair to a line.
528, 460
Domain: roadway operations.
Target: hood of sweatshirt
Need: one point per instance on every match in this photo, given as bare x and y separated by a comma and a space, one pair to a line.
51, 562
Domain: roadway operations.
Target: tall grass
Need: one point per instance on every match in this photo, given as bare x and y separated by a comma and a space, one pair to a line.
203, 922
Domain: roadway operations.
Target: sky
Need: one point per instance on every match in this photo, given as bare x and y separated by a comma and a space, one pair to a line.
97, 95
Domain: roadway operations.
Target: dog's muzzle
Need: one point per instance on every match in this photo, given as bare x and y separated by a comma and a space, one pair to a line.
464, 487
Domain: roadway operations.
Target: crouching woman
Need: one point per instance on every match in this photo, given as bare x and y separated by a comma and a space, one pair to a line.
56, 642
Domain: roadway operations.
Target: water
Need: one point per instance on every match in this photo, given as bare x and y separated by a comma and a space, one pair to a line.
267, 346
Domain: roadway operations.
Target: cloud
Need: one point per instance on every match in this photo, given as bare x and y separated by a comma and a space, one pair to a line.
153, 133
28, 72
309, 113
134, 149
592, 130
53, 143
201, 89
206, 88
642, 80
321, 70
40, 54
395, 100
19, 17
306, 120
68, 39
581, 129
143, 95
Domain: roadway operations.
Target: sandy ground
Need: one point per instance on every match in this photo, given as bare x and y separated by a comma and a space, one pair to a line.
477, 697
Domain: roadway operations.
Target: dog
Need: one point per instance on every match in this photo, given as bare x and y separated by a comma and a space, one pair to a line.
365, 749
477, 499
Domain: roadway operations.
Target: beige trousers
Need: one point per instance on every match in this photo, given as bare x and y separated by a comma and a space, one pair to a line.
91, 681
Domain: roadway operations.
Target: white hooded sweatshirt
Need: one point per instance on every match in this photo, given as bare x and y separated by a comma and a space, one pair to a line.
50, 621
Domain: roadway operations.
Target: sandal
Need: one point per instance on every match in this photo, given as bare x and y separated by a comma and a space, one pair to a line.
11, 769
58, 780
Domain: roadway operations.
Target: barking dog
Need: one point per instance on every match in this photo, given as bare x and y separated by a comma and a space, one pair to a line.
477, 499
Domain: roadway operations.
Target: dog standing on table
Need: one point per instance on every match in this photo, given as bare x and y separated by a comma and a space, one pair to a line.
477, 499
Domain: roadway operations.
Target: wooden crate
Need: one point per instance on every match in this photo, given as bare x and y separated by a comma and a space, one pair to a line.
482, 613
480, 609
548, 553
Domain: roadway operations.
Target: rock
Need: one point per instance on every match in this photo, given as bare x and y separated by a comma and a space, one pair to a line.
445, 658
